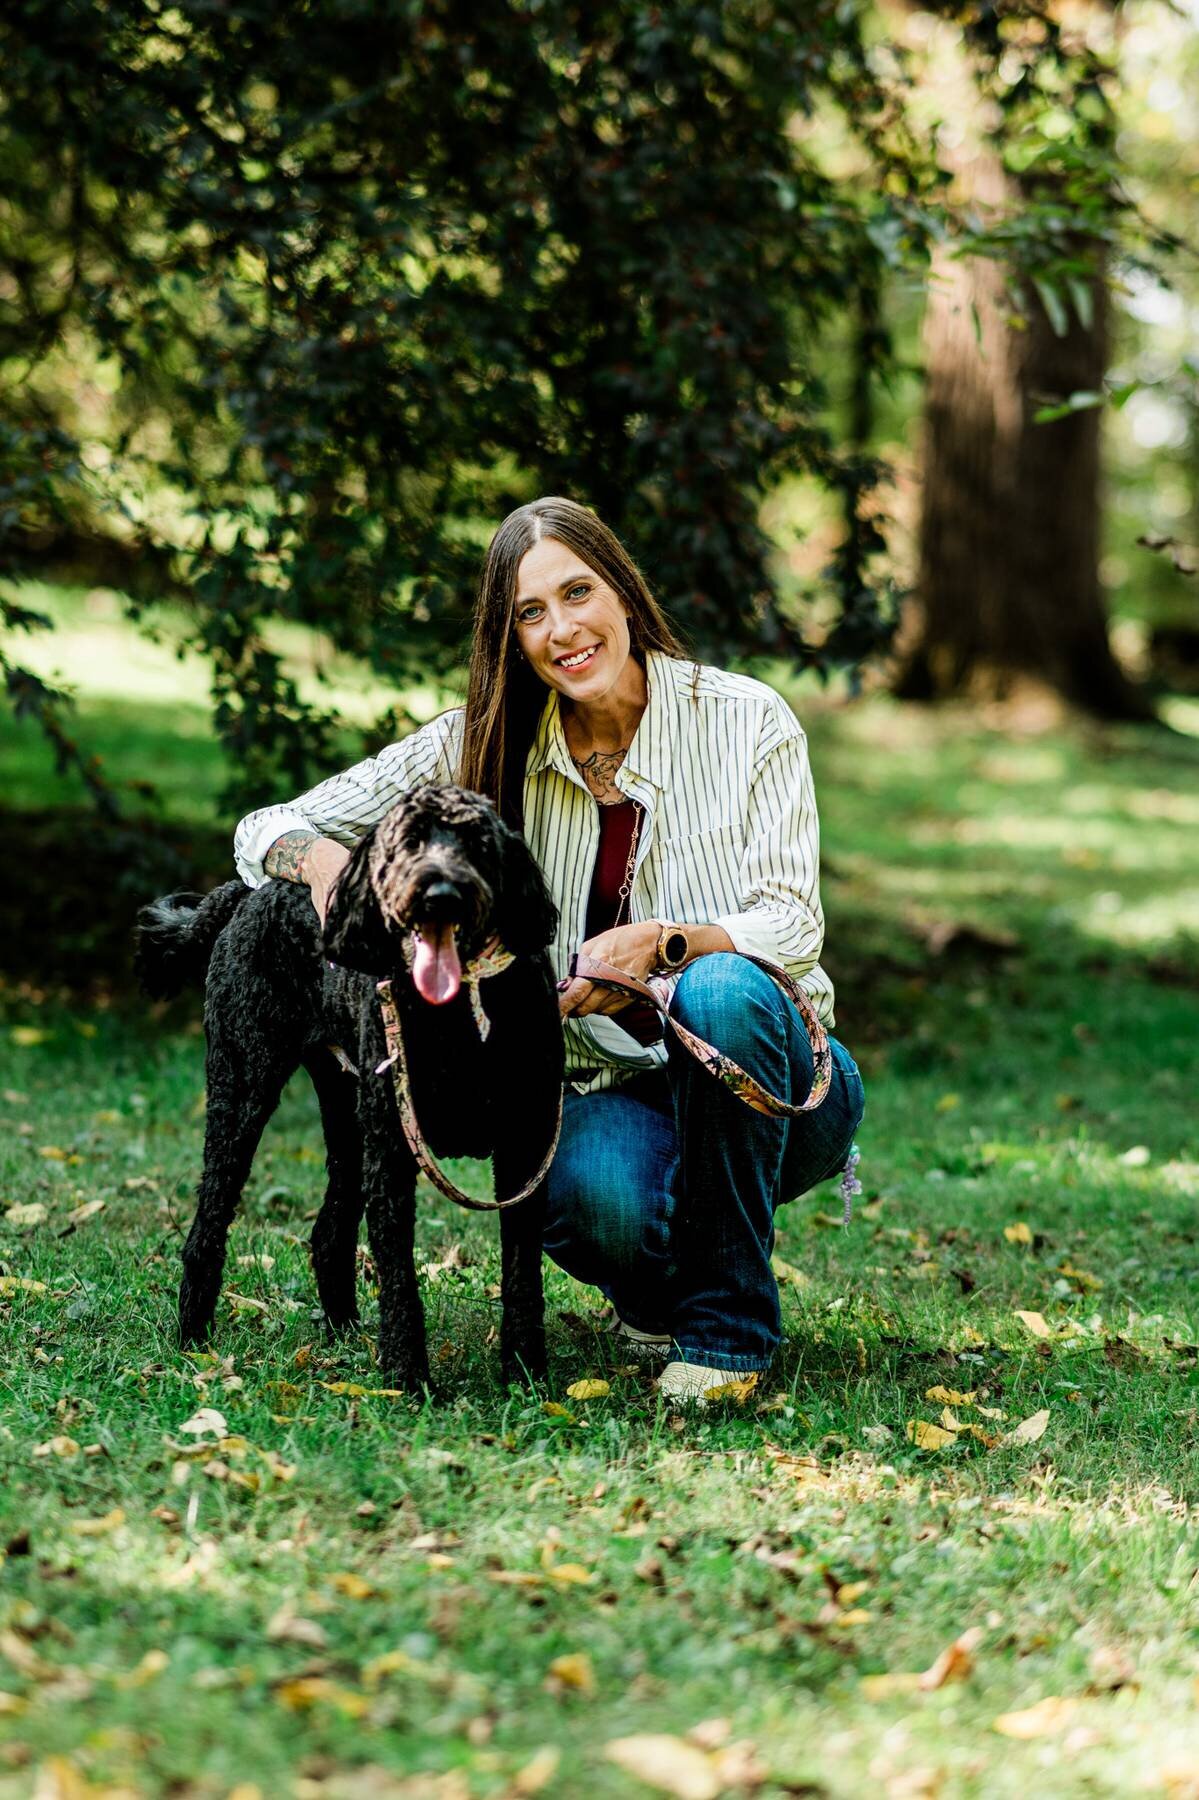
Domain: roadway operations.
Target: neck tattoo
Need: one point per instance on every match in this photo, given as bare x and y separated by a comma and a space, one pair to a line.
599, 772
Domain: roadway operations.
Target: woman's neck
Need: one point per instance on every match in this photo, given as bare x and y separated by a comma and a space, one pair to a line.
609, 723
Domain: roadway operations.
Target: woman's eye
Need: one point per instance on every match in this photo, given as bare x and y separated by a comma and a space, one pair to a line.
579, 590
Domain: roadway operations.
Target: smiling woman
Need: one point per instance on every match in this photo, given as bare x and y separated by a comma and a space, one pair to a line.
670, 808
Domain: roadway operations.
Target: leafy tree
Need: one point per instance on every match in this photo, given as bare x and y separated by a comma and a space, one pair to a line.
364, 276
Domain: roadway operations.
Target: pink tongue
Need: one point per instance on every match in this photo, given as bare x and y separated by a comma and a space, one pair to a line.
436, 969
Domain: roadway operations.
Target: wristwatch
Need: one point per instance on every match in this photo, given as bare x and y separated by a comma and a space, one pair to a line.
673, 949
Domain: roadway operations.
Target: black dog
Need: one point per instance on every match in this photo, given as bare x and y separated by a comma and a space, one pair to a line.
442, 875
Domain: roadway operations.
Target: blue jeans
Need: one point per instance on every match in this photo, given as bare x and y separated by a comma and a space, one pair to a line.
663, 1192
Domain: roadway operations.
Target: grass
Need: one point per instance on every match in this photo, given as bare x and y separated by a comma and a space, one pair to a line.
477, 1592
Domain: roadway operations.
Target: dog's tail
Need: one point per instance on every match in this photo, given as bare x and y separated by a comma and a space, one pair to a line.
175, 936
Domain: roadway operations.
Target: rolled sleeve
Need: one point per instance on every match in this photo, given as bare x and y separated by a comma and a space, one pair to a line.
346, 806
780, 918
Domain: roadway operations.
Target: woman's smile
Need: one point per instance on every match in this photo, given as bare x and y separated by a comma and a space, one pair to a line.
578, 659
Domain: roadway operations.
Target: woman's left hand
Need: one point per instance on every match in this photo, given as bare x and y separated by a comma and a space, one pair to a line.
632, 949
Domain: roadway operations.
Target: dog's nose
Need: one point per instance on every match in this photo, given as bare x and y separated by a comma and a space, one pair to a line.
440, 897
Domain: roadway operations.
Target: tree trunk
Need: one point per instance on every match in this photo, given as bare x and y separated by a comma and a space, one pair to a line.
1009, 534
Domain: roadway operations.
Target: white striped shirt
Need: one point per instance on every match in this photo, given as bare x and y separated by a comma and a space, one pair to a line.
729, 837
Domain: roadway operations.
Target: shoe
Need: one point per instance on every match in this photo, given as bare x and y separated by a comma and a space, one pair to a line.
696, 1383
638, 1343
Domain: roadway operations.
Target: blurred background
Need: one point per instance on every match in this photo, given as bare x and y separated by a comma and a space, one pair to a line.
873, 330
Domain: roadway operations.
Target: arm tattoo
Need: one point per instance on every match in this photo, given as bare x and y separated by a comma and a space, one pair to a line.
285, 857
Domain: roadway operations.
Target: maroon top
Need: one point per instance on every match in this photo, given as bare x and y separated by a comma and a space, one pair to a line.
617, 825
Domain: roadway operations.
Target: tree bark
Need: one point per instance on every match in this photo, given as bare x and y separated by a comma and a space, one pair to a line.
1008, 584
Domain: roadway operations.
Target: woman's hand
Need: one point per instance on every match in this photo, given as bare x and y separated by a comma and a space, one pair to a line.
315, 861
630, 948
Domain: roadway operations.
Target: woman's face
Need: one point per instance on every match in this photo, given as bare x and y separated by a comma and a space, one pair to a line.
572, 627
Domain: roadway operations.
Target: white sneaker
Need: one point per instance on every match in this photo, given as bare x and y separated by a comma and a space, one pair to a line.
695, 1382
638, 1343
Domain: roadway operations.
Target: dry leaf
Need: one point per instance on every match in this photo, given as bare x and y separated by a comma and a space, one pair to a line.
955, 1661
1082, 1276
1049, 1714
208, 1421
950, 1396
737, 1391
88, 1210
670, 1764
573, 1671
30, 1212
554, 1410
57, 1446
787, 1275
352, 1586
356, 1392
287, 1627
98, 1527
889, 1686
305, 1691
19, 1284
1028, 1430
246, 1303
570, 1574
1034, 1322
928, 1437
850, 1591
26, 1036
541, 1767
587, 1390
877, 1434
148, 1669
1018, 1233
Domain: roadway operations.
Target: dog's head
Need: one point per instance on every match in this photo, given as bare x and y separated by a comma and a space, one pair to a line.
444, 867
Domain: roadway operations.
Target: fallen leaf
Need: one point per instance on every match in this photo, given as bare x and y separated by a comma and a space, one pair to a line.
287, 1627
948, 1103
98, 1527
208, 1421
305, 1691
1137, 1158
850, 1591
738, 1391
928, 1437
88, 1210
877, 1434
573, 1670
1082, 1276
352, 1586
53, 1153
1049, 1714
955, 1661
570, 1574
356, 1392
256, 1262
541, 1767
57, 1446
1018, 1233
148, 1669
1028, 1430
950, 1396
554, 1410
787, 1275
670, 1764
29, 1212
830, 1222
246, 1303
26, 1036
588, 1390
20, 1284
1034, 1322
889, 1686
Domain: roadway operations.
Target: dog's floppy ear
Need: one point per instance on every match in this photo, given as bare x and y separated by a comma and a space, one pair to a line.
525, 917
356, 934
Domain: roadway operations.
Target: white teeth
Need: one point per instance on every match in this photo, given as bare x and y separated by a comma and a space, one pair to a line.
575, 662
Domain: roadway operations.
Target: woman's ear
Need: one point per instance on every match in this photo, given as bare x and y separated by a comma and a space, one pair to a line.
526, 919
356, 934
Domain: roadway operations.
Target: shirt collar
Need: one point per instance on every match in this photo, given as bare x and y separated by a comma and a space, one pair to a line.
649, 754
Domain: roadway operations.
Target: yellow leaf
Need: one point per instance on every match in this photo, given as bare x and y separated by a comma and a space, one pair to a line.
850, 1591
574, 1671
288, 1627
1028, 1430
950, 1396
1018, 1233
29, 1212
856, 1615
57, 1446
949, 1419
1034, 1322
570, 1574
306, 1690
356, 1392
991, 1412
588, 1390
555, 1411
540, 1768
737, 1391
352, 1586
246, 1303
1049, 1714
86, 1028
986, 1438
392, 1662
11, 1703
830, 1223
515, 1577
887, 1687
955, 1661
928, 1437
52, 1153
88, 1210
148, 1669
98, 1527
20, 1284
787, 1275
107, 1117
948, 1103
26, 1036
669, 1764
1081, 1276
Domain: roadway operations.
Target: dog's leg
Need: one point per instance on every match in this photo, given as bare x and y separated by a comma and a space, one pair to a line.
335, 1233
389, 1187
522, 1324
244, 1085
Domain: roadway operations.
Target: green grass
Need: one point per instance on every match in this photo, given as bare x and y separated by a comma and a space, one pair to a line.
698, 1559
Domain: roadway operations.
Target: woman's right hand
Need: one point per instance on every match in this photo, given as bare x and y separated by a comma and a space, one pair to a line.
316, 861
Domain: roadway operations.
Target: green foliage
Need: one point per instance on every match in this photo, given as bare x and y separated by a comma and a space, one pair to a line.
358, 285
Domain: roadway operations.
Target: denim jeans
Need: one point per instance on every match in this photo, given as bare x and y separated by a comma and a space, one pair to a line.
663, 1192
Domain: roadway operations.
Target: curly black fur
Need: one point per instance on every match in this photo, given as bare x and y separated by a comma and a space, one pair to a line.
274, 1002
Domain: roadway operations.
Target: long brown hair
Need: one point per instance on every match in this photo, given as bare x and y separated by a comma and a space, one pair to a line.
504, 698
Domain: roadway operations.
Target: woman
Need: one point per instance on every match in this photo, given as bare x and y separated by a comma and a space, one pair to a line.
670, 807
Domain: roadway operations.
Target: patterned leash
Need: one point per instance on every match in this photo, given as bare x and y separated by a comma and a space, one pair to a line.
492, 960
734, 1077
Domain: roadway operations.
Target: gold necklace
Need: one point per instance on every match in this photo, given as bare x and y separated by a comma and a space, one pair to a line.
627, 883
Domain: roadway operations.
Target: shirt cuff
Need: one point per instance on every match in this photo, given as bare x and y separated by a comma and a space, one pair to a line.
258, 837
755, 933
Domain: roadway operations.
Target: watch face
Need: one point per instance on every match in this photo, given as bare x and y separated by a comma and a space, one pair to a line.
675, 948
